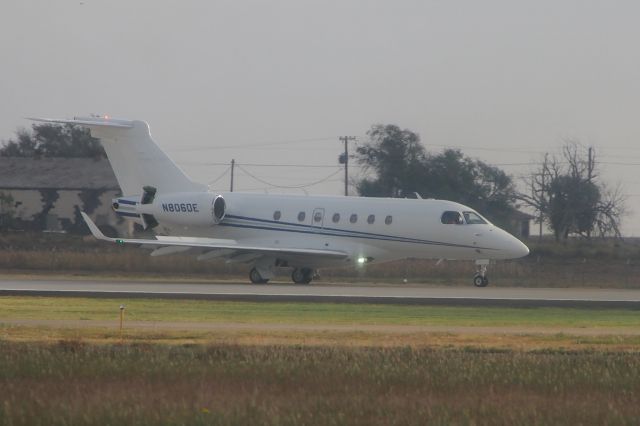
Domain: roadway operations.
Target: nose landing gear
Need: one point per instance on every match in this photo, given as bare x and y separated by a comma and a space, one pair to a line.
480, 279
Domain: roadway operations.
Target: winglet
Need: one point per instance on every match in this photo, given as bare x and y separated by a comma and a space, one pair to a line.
97, 233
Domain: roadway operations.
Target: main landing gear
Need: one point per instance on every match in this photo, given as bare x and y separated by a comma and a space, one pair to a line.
256, 278
480, 279
302, 275
298, 276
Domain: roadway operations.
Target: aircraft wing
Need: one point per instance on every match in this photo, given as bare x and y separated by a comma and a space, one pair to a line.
166, 245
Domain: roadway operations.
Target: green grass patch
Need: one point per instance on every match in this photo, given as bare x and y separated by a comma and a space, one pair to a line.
161, 310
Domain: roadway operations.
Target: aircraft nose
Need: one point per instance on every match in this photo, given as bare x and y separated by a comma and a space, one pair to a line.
518, 248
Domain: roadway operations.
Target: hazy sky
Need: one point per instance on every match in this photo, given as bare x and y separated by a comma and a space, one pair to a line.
504, 80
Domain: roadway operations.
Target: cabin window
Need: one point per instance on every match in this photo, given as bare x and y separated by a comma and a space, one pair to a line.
473, 218
353, 218
317, 217
301, 216
454, 218
388, 220
371, 219
277, 215
336, 218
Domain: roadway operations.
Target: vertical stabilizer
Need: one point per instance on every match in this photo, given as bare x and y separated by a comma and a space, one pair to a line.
135, 158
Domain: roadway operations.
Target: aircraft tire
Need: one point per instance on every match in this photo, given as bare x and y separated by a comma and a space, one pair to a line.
302, 275
256, 278
480, 281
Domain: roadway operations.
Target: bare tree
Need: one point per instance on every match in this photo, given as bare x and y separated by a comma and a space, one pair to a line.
610, 211
568, 196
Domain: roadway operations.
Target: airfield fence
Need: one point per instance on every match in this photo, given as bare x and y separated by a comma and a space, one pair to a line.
533, 271
578, 263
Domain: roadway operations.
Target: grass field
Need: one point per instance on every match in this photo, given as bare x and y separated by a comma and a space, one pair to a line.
77, 383
163, 310
356, 364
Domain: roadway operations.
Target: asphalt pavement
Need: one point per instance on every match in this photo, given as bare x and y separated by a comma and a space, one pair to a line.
334, 293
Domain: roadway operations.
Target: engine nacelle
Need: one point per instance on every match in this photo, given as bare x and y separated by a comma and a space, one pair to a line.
218, 209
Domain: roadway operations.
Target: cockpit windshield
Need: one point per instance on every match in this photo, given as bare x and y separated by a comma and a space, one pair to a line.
452, 218
457, 218
473, 218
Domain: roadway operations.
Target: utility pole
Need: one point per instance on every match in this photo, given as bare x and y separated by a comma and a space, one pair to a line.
590, 165
233, 164
543, 190
589, 178
346, 140
541, 197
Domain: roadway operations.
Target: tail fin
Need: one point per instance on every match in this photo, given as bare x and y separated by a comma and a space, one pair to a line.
135, 158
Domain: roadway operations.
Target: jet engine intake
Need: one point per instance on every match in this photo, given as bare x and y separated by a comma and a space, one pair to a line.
218, 209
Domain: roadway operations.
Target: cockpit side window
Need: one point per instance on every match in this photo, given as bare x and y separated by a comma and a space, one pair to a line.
473, 218
452, 218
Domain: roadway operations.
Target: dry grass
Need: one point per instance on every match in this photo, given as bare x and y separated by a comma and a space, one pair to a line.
253, 375
500, 339
73, 382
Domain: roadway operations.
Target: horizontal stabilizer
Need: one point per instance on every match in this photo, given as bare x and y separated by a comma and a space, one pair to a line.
89, 121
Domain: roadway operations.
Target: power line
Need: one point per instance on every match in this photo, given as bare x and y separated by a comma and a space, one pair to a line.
288, 186
252, 145
513, 164
483, 148
616, 163
219, 177
305, 166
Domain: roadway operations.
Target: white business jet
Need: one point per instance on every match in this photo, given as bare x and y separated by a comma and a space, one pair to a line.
270, 232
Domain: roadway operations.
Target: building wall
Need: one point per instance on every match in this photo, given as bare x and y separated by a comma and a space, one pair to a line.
28, 204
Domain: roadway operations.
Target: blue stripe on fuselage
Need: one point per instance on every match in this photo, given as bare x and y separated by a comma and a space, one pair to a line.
308, 229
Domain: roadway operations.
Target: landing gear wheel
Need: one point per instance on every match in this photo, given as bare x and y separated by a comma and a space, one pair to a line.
302, 275
256, 278
480, 281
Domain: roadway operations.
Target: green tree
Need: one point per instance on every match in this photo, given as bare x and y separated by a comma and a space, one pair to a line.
401, 166
48, 197
90, 202
53, 140
397, 158
7, 211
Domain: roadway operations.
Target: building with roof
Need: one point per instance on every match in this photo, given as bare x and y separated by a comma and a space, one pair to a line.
520, 224
49, 194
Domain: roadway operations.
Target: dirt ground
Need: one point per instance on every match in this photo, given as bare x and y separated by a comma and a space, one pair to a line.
283, 327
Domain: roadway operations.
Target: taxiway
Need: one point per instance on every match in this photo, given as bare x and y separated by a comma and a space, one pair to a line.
335, 293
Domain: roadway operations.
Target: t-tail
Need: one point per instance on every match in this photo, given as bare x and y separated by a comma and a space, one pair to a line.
140, 166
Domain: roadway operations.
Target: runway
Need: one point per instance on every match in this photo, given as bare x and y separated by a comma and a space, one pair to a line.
333, 293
